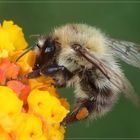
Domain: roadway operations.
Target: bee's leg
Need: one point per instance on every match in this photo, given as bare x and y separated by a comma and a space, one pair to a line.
33, 74
59, 73
83, 109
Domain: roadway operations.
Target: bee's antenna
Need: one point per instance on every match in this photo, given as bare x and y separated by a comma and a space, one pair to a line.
24, 53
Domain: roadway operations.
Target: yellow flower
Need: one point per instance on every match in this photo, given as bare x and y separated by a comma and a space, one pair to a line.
3, 53
55, 133
4, 135
45, 84
11, 38
30, 128
26, 62
7, 123
47, 105
9, 103
30, 109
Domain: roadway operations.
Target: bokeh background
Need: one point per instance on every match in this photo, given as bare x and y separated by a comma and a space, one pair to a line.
118, 19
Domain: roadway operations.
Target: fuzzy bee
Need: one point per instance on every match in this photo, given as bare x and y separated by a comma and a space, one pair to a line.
83, 57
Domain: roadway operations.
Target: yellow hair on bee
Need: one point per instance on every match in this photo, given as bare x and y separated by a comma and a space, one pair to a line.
87, 36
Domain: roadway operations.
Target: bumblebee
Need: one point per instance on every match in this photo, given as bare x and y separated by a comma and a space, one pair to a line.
83, 57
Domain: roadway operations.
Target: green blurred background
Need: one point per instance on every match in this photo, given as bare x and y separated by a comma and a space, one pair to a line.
117, 19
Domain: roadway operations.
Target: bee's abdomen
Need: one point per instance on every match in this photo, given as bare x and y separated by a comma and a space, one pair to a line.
104, 103
104, 97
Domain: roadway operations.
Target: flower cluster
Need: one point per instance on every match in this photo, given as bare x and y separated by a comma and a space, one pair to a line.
29, 108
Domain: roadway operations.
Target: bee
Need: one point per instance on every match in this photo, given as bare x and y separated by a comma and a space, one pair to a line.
81, 56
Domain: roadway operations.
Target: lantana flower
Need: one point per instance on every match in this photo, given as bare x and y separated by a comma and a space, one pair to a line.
31, 108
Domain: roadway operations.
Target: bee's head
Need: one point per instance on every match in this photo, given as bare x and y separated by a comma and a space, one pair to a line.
44, 49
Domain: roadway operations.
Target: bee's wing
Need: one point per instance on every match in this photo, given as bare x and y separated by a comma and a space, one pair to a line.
117, 80
127, 51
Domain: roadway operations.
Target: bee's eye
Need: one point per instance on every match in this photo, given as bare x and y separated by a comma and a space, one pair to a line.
49, 49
